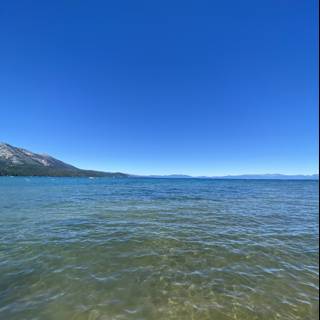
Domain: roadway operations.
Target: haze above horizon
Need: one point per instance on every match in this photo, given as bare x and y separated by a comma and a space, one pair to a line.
194, 87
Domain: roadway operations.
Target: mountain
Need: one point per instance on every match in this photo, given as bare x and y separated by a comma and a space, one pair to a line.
171, 176
275, 176
21, 162
243, 177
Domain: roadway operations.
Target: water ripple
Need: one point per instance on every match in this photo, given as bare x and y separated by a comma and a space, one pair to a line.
158, 249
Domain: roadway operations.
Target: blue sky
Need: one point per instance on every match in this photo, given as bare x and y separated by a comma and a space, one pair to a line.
160, 87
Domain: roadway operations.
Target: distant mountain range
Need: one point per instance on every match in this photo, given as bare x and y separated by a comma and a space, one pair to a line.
273, 176
244, 177
20, 162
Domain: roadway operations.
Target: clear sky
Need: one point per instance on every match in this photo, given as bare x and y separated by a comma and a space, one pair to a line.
161, 87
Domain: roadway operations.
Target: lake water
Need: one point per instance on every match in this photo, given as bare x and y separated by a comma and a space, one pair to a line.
158, 249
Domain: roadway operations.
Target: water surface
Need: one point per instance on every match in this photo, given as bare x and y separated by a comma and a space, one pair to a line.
158, 249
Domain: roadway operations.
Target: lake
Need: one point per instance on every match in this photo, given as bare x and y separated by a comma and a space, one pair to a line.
158, 249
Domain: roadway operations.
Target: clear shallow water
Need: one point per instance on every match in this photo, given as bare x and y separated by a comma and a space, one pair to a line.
158, 249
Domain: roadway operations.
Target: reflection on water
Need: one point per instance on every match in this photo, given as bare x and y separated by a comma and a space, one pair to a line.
158, 249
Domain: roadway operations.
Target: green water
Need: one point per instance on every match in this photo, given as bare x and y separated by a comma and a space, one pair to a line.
158, 249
